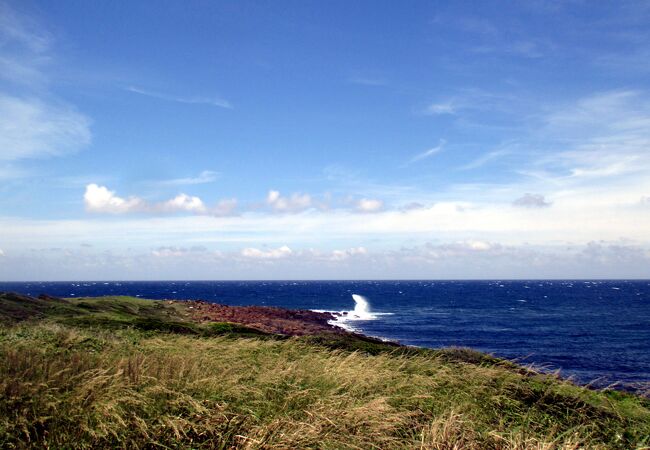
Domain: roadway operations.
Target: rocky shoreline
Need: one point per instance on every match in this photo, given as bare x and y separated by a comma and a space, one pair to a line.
290, 322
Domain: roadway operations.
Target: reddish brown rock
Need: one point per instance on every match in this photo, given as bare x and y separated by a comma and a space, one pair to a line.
292, 322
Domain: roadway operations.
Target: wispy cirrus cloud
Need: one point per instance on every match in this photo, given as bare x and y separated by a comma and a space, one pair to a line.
24, 48
206, 176
192, 100
497, 38
427, 153
441, 108
368, 81
34, 123
604, 136
484, 159
32, 128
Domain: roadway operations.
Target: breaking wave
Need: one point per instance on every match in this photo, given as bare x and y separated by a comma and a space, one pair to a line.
361, 312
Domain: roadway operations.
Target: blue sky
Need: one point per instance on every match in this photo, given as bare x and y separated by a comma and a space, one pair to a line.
260, 140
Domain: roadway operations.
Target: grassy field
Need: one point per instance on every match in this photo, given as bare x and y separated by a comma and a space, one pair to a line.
129, 373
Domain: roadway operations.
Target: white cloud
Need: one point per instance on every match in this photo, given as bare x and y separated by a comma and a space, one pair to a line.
2, 253
428, 153
524, 48
207, 176
24, 46
224, 207
213, 101
484, 159
577, 216
368, 81
531, 201
99, 199
476, 108
276, 253
30, 128
295, 203
438, 109
20, 30
184, 202
441, 260
169, 252
14, 70
177, 252
34, 124
369, 205
340, 255
603, 135
478, 245
10, 171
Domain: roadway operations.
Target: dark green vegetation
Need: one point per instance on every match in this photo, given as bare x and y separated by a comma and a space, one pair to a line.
121, 372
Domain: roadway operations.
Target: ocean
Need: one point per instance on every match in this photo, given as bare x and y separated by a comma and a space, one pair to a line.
596, 332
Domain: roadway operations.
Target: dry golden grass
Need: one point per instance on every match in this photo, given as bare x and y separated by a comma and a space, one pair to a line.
63, 386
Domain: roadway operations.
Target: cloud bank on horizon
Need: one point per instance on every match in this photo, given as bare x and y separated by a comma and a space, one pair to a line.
509, 142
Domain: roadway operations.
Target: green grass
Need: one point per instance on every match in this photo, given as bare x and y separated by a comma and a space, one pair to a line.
89, 373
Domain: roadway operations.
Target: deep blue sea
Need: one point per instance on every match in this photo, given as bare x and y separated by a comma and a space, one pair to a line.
593, 331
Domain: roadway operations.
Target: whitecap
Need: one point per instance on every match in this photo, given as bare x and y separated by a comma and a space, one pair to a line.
361, 312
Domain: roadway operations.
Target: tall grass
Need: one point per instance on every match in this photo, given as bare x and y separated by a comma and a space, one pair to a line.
63, 386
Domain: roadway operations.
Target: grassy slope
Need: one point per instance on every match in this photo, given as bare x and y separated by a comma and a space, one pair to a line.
124, 372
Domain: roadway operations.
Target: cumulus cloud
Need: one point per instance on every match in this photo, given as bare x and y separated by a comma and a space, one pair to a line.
531, 201
411, 206
184, 202
457, 260
569, 220
166, 252
295, 203
305, 255
174, 252
276, 253
369, 205
225, 207
99, 199
2, 253
477, 245
339, 255
459, 249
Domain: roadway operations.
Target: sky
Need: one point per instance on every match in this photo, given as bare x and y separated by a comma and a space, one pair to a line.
324, 140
